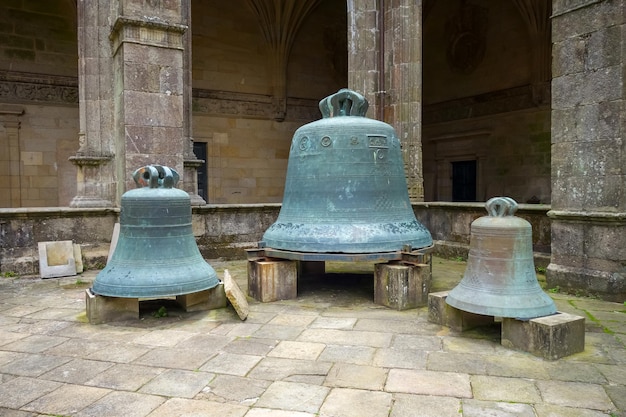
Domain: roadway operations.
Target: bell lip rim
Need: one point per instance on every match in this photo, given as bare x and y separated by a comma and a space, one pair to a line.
153, 295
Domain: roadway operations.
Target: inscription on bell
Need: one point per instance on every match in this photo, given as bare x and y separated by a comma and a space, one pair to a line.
377, 141
304, 143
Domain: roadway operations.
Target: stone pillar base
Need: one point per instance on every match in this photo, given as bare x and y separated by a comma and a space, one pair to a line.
551, 337
272, 280
401, 285
440, 312
203, 300
102, 309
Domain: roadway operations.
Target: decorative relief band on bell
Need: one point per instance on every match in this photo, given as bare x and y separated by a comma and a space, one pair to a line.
156, 176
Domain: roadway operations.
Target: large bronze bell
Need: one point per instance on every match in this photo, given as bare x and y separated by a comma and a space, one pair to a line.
156, 254
500, 278
345, 190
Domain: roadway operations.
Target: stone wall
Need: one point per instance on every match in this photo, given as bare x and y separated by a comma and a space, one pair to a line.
235, 103
222, 231
512, 150
38, 103
488, 103
39, 36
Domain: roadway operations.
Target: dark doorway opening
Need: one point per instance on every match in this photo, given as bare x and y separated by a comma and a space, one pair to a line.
199, 149
464, 181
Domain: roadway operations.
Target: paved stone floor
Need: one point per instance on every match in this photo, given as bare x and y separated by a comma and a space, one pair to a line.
330, 352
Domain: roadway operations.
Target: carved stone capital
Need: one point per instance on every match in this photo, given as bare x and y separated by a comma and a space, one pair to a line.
90, 160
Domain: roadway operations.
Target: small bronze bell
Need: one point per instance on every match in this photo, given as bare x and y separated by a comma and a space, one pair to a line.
500, 278
156, 254
345, 190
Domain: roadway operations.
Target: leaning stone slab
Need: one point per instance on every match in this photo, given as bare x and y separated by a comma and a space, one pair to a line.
236, 297
551, 337
101, 309
442, 313
56, 259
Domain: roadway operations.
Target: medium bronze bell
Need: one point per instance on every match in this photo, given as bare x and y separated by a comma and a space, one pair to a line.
345, 190
500, 278
156, 254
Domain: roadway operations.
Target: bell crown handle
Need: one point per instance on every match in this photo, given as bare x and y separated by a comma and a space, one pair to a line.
156, 176
501, 206
344, 102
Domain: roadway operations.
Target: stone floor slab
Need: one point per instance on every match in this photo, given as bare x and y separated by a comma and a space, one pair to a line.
66, 400
293, 396
346, 402
234, 389
36, 343
266, 412
356, 376
177, 383
175, 358
33, 365
400, 358
127, 404
407, 405
276, 369
491, 388
125, 377
344, 337
77, 371
185, 407
359, 355
473, 408
20, 391
575, 394
445, 384
297, 350
231, 364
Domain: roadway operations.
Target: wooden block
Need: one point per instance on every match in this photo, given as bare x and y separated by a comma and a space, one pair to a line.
203, 300
101, 309
401, 285
444, 314
550, 337
272, 280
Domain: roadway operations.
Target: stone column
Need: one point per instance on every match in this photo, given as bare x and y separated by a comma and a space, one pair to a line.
95, 171
191, 162
588, 149
10, 160
148, 61
132, 108
403, 105
384, 64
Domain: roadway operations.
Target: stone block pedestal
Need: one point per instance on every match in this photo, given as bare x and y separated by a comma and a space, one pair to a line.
272, 279
550, 337
103, 309
203, 300
441, 313
401, 285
